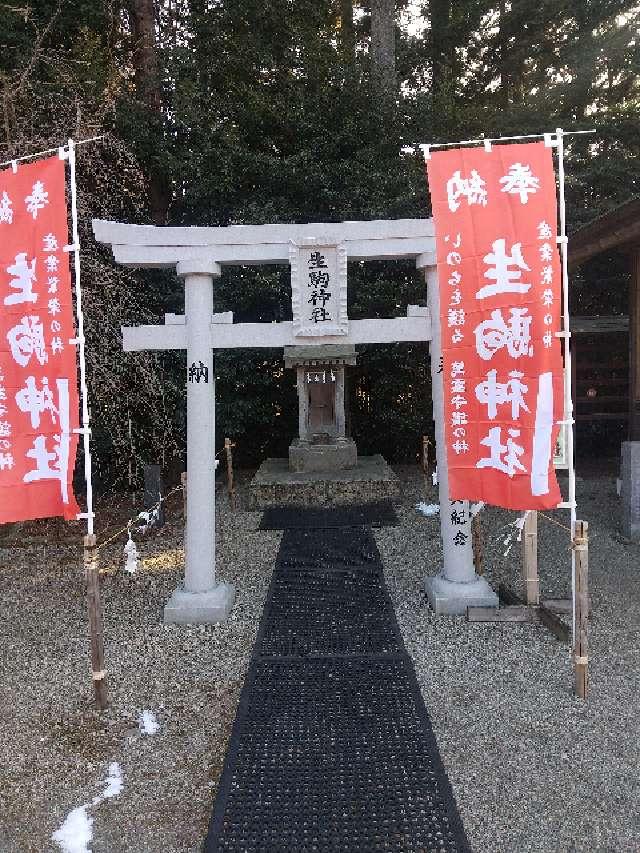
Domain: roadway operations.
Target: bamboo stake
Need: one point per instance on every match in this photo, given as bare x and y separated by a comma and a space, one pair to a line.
425, 453
425, 462
94, 609
229, 454
530, 558
581, 643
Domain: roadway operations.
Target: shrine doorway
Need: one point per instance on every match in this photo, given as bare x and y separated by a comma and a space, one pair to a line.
322, 414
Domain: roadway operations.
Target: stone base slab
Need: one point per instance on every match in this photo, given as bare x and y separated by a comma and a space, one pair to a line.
337, 456
452, 599
199, 608
275, 485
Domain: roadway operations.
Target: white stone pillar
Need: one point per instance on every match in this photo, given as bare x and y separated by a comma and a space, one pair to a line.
456, 586
200, 600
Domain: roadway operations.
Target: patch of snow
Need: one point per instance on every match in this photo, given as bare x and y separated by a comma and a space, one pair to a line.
76, 832
428, 509
474, 509
113, 782
148, 723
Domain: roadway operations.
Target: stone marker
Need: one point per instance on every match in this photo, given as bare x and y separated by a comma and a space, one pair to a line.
630, 489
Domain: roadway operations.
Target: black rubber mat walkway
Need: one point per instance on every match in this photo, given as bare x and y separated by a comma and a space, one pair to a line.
374, 514
332, 748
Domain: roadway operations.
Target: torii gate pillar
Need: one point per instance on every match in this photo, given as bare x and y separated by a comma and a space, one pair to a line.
456, 586
200, 600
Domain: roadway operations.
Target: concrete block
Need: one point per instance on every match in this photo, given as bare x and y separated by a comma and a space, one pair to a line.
276, 485
334, 456
199, 608
452, 599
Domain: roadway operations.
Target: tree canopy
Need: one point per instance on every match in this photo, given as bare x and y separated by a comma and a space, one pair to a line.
244, 111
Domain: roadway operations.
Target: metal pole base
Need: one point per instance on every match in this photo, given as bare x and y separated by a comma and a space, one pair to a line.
452, 599
200, 608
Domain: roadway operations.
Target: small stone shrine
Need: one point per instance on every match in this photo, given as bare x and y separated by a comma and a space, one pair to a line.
323, 443
323, 465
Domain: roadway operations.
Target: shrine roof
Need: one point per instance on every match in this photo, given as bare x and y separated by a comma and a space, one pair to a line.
319, 354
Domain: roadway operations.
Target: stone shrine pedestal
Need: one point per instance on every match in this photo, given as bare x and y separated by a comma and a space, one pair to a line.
323, 465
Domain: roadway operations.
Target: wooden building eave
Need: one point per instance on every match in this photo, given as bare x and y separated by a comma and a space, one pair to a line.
617, 229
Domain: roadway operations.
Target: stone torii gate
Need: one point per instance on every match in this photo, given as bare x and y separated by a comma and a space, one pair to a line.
198, 253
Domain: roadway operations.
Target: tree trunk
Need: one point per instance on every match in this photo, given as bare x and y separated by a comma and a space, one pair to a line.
149, 90
145, 62
441, 45
383, 47
346, 30
511, 57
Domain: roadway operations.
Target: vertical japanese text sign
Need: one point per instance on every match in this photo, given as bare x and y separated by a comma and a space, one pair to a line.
499, 277
318, 288
38, 382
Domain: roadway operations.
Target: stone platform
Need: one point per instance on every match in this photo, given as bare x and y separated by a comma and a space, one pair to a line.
276, 485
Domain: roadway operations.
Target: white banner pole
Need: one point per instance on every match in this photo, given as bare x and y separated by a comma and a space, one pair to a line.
566, 336
75, 247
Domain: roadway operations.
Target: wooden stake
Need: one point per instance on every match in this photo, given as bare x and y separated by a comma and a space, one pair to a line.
425, 454
554, 623
511, 613
581, 646
425, 463
477, 543
183, 480
94, 609
530, 558
229, 454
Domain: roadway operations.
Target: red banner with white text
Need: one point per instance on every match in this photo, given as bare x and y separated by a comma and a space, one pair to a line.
38, 380
499, 278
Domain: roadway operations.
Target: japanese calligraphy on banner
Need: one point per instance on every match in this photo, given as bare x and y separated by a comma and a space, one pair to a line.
38, 383
318, 288
500, 299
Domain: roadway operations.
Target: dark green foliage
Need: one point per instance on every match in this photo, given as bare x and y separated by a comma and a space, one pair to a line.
269, 115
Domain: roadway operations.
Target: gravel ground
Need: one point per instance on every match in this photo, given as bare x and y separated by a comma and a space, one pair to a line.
533, 768
55, 750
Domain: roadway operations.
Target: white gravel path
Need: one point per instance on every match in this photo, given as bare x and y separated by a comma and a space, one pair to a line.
533, 769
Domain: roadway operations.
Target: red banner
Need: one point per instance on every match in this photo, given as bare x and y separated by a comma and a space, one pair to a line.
38, 382
499, 279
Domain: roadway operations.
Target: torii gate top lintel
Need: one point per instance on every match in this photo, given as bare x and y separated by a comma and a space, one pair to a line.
165, 246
